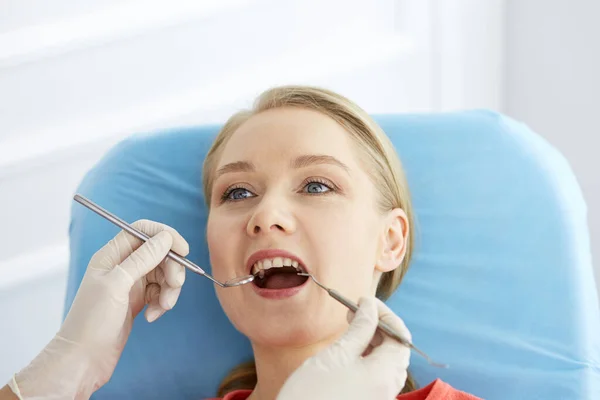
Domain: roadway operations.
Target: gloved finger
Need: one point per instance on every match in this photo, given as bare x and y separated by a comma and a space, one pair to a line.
154, 310
174, 273
362, 328
376, 341
151, 293
168, 296
146, 257
123, 244
377, 336
151, 228
157, 275
391, 353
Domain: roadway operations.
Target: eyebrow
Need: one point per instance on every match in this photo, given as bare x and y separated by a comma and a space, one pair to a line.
298, 162
308, 160
238, 166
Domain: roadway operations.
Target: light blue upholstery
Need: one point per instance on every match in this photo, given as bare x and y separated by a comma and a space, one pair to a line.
501, 286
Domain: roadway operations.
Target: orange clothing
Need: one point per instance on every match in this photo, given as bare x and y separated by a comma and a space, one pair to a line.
436, 390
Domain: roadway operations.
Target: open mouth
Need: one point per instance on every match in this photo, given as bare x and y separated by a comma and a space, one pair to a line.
278, 273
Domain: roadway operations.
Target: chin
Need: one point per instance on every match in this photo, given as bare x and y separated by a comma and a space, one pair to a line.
293, 332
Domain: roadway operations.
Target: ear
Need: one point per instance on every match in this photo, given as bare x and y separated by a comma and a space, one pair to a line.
394, 241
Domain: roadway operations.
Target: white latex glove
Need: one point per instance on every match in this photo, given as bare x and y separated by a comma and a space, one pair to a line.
120, 280
362, 364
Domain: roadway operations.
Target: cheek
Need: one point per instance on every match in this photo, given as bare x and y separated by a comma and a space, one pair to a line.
222, 238
345, 241
221, 244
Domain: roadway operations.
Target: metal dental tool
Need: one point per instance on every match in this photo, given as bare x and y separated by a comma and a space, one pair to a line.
242, 280
382, 325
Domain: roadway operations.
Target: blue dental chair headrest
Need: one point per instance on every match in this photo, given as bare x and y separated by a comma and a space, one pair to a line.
501, 285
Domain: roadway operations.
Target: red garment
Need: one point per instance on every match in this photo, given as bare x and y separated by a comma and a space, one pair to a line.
436, 390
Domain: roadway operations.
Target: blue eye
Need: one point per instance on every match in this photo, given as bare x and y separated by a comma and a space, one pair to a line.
235, 194
316, 188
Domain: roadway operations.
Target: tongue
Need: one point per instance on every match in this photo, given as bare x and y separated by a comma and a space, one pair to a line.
284, 281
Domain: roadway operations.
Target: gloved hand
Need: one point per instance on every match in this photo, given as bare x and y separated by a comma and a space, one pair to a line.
120, 280
362, 364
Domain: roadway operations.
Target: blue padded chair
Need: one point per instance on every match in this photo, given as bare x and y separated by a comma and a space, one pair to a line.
501, 286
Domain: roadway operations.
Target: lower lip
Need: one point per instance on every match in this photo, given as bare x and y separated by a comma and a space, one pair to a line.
278, 294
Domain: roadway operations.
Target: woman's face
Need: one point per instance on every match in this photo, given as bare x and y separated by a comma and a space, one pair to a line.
290, 189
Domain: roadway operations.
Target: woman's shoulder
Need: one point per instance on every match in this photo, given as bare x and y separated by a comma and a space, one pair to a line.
436, 390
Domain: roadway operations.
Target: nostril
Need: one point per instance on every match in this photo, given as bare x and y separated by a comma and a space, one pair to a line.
274, 227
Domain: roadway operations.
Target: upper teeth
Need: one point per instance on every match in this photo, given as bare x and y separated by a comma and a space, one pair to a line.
276, 262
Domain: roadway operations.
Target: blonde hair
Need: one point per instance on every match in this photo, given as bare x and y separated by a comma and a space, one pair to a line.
378, 154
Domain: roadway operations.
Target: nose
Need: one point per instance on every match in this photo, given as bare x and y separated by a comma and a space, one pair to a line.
269, 217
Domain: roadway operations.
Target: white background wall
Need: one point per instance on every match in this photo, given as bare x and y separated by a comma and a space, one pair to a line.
553, 84
77, 76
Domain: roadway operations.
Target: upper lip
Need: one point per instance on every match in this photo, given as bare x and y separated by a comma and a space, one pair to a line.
272, 253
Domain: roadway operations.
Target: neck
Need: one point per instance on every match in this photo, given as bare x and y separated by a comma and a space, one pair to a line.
275, 365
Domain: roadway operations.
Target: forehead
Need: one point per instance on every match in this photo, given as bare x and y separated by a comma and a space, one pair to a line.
286, 132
